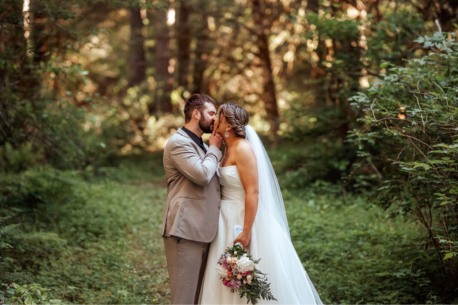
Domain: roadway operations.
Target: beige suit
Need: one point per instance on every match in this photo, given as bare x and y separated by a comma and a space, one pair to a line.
191, 213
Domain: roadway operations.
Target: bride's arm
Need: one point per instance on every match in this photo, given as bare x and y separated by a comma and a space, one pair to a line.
248, 172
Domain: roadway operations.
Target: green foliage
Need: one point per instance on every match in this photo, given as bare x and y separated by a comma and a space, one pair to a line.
28, 295
258, 287
302, 165
355, 253
16, 160
410, 132
86, 239
38, 123
5, 230
319, 118
86, 214
101, 243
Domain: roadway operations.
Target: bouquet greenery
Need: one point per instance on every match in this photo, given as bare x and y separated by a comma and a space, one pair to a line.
238, 272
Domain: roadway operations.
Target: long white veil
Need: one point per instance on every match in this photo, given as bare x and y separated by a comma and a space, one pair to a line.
269, 190
291, 284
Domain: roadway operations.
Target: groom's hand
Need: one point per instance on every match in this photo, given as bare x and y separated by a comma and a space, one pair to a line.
216, 139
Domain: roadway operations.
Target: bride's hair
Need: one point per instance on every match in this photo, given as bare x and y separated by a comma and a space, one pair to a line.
236, 117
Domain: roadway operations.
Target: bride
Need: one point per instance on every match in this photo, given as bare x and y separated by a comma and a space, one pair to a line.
251, 198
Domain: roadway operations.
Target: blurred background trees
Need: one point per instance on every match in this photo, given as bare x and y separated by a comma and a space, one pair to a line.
84, 83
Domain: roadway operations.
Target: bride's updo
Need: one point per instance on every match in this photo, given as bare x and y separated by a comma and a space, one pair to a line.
236, 117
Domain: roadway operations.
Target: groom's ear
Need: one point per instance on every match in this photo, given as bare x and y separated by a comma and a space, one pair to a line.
196, 114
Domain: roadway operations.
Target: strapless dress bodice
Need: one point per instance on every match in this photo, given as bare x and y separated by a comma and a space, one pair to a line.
231, 185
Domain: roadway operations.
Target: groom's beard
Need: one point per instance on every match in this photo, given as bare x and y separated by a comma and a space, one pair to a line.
206, 127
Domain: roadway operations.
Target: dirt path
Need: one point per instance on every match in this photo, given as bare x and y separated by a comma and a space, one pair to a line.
146, 251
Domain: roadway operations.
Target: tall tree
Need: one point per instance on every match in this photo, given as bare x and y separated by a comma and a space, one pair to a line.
184, 43
201, 53
313, 5
163, 76
269, 93
445, 11
137, 52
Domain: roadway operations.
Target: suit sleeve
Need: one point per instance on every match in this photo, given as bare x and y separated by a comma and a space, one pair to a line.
185, 158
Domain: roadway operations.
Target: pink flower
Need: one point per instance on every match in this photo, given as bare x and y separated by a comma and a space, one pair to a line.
227, 283
238, 284
224, 263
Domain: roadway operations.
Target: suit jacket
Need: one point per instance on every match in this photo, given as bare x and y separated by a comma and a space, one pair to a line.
193, 189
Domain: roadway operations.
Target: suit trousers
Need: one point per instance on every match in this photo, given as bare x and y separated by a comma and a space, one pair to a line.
186, 261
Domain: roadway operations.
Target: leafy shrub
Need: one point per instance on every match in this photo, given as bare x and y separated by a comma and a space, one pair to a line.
410, 135
355, 253
16, 160
28, 295
35, 191
3, 231
300, 165
76, 231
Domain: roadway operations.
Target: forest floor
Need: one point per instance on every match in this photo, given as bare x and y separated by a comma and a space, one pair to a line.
114, 252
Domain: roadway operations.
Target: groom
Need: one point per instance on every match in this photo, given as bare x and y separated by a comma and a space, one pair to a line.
191, 214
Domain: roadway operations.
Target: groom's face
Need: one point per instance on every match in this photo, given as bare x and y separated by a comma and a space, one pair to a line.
206, 118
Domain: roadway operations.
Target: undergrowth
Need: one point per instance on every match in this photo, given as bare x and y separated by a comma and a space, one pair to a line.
94, 237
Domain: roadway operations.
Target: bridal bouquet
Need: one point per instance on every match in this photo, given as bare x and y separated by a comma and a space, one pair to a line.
238, 272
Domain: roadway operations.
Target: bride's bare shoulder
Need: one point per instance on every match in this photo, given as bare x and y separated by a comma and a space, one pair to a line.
243, 150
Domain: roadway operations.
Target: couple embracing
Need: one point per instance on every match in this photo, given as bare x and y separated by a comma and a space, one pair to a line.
208, 195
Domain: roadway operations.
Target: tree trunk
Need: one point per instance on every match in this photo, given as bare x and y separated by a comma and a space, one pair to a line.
269, 94
443, 10
184, 43
313, 6
200, 60
314, 72
163, 77
137, 51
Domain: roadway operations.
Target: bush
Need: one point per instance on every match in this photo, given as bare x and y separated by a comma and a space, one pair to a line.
410, 137
27, 294
355, 253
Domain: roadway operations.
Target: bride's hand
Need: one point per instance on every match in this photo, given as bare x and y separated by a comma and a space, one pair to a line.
244, 239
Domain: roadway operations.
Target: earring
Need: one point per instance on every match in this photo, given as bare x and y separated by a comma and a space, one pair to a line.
226, 134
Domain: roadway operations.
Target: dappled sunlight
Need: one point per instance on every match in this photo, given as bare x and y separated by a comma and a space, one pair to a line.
355, 102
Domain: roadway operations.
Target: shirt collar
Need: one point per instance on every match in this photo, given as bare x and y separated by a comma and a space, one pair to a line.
193, 135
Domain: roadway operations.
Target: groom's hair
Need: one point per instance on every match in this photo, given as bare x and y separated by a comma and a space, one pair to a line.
196, 101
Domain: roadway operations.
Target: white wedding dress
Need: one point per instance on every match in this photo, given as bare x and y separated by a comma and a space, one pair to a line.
270, 240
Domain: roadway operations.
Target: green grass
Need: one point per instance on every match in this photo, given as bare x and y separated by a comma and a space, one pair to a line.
96, 239
354, 253
101, 245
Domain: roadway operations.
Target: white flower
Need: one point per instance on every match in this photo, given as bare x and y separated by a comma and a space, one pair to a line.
235, 253
229, 260
244, 282
221, 270
245, 264
234, 260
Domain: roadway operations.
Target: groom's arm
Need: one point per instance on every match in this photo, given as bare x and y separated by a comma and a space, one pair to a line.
185, 158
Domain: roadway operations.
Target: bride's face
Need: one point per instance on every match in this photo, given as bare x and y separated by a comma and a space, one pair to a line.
220, 123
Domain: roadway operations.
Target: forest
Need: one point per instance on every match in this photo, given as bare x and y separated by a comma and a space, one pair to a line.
355, 100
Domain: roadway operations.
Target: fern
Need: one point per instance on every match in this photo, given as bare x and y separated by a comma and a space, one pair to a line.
5, 230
